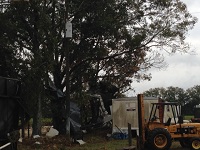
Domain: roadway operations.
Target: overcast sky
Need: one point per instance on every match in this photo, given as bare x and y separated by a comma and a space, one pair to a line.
183, 70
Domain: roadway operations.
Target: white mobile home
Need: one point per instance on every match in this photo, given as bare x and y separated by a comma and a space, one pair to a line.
125, 110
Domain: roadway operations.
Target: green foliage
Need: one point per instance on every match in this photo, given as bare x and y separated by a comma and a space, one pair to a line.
188, 117
46, 121
113, 40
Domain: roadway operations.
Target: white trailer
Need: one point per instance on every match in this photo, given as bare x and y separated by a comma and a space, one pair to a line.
125, 110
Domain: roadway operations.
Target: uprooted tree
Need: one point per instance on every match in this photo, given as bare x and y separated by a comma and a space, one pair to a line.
113, 40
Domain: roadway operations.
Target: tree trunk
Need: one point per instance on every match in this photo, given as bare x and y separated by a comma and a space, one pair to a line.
37, 117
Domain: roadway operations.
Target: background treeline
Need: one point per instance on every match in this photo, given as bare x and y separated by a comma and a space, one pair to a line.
188, 98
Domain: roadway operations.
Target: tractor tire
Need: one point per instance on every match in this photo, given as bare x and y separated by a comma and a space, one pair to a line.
195, 144
159, 139
185, 142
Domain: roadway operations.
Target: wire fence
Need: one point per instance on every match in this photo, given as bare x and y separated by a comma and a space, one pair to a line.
4, 5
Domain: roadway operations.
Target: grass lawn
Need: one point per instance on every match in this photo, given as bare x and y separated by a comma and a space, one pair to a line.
188, 117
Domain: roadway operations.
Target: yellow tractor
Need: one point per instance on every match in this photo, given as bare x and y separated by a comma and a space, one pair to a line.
157, 133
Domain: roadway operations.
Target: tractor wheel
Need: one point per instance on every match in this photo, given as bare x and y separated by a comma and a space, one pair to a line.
159, 139
195, 144
185, 143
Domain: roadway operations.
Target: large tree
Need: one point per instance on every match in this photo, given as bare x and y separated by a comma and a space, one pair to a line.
25, 34
193, 95
119, 40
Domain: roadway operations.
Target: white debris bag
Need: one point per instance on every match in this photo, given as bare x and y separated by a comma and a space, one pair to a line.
52, 132
36, 136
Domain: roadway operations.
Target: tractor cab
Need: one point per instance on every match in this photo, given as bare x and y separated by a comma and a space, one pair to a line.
164, 114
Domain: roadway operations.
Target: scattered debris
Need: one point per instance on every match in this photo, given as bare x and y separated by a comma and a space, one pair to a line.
20, 140
2, 147
81, 142
38, 143
36, 136
119, 136
59, 114
84, 131
52, 132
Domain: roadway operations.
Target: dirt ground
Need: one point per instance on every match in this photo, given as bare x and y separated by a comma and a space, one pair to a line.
43, 143
62, 143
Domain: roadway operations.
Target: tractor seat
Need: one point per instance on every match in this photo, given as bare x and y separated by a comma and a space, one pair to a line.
168, 122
